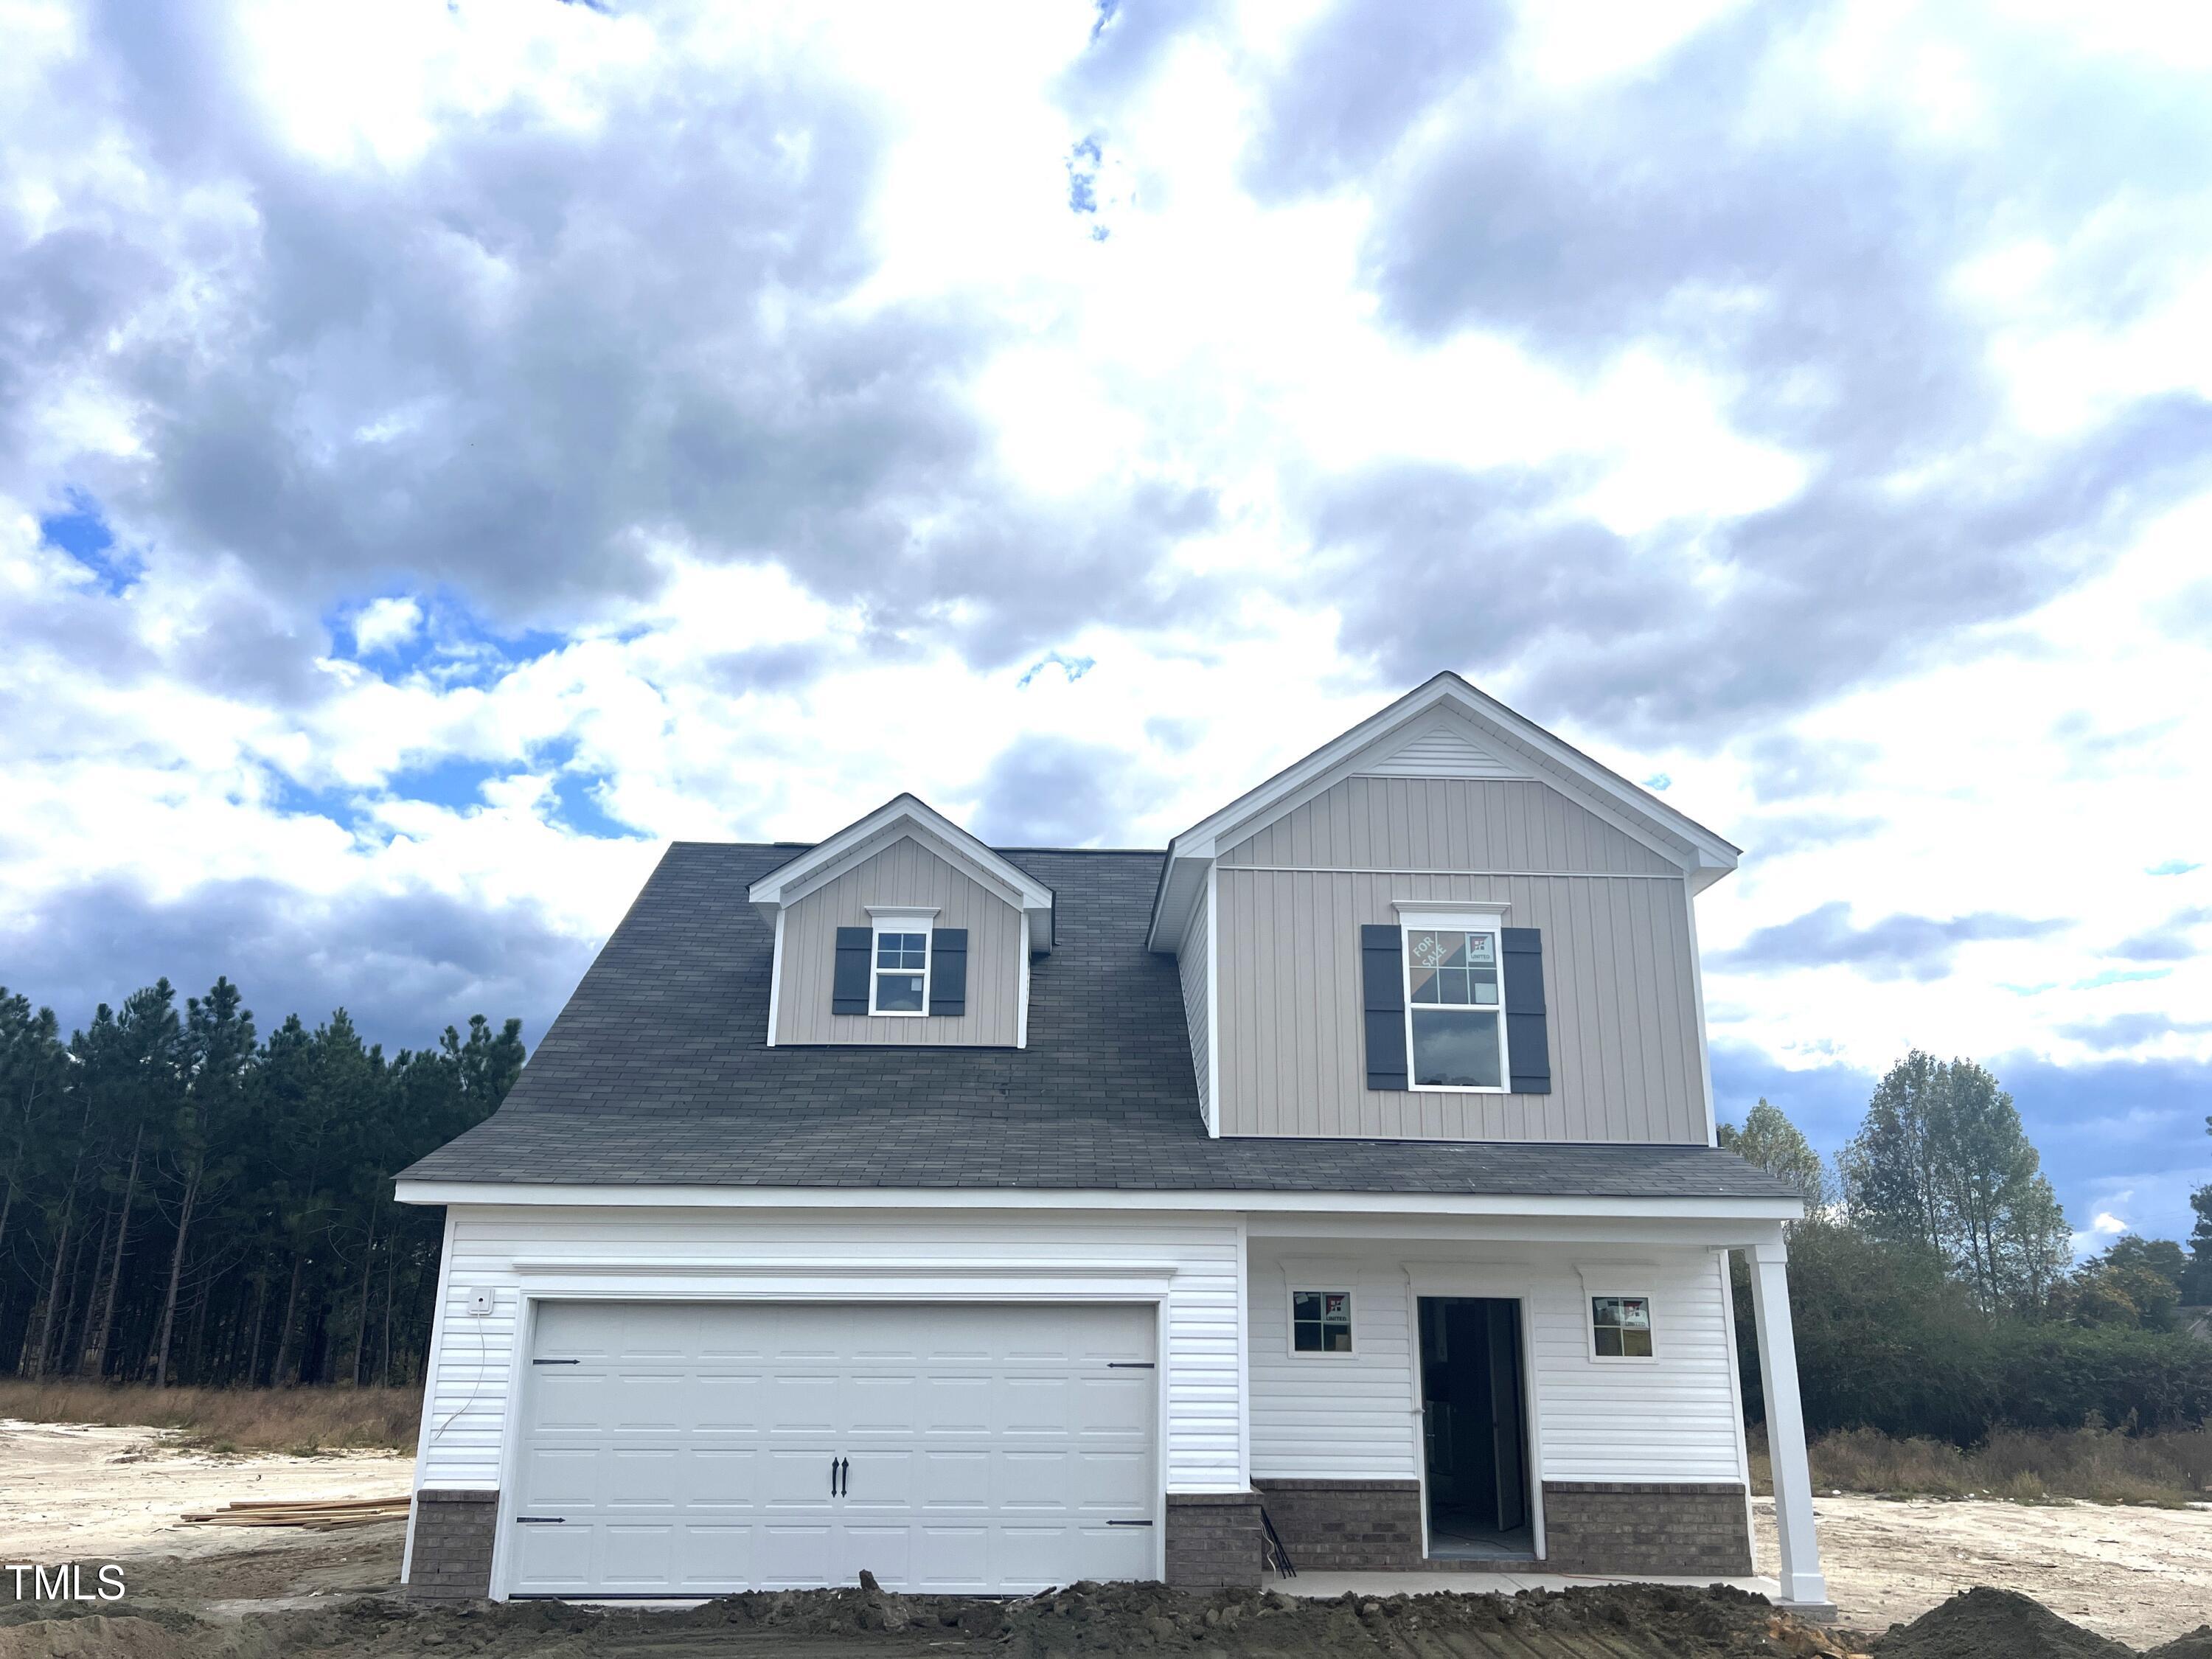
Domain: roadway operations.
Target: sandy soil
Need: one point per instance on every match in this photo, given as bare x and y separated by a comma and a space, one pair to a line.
97, 1494
74, 1491
2139, 1576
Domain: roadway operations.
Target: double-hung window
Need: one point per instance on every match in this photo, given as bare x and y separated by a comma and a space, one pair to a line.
899, 977
1454, 1000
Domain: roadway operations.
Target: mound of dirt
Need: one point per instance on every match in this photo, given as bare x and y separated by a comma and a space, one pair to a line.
2197, 1645
97, 1637
1995, 1624
1613, 1622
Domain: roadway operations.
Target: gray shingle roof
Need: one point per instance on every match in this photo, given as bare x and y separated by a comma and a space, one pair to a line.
656, 1072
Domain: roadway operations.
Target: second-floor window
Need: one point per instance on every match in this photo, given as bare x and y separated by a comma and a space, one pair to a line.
901, 976
1454, 1002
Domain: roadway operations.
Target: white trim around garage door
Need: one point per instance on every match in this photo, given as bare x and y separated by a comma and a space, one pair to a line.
572, 1282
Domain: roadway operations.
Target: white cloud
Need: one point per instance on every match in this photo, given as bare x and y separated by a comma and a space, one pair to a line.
382, 623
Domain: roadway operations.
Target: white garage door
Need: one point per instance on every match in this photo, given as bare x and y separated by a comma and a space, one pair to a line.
689, 1449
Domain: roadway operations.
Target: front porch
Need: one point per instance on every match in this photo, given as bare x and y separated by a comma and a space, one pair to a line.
1515, 1405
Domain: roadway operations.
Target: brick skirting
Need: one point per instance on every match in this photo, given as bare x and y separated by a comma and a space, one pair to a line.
453, 1534
1213, 1539
1348, 1526
1620, 1526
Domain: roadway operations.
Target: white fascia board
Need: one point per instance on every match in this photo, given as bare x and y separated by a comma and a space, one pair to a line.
603, 1195
903, 816
1703, 856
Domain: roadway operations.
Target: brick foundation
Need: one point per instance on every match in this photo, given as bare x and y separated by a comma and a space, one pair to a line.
1348, 1526
452, 1535
1617, 1526
1213, 1539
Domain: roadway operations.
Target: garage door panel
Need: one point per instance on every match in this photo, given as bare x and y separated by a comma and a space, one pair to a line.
714, 1558
554, 1559
690, 1452
876, 1480
950, 1482
563, 1477
885, 1550
631, 1477
1101, 1481
719, 1479
794, 1557
635, 1556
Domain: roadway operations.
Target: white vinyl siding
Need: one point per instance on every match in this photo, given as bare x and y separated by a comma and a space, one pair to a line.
1668, 1418
1188, 1264
1345, 1417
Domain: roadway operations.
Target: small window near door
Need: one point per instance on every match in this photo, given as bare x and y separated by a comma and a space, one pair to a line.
1620, 1327
1321, 1322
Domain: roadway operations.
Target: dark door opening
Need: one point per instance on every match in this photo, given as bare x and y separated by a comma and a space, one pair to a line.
1473, 1428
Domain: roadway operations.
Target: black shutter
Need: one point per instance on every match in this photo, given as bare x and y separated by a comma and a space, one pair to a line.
1527, 1033
948, 971
1382, 1004
848, 992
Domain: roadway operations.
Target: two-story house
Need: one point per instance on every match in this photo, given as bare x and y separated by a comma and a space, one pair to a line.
991, 1219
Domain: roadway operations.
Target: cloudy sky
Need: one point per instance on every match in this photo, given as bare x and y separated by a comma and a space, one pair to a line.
446, 451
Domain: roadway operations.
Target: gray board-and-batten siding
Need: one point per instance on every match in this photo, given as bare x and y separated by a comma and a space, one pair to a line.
903, 874
1619, 963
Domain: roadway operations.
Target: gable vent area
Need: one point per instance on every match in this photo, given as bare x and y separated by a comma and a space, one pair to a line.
1441, 752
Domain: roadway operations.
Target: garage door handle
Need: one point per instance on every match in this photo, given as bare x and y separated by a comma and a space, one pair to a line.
543, 1520
1128, 1524
557, 1362
1128, 1365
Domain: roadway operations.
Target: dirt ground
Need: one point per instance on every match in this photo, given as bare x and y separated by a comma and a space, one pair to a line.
2144, 1576
2139, 1576
72, 1491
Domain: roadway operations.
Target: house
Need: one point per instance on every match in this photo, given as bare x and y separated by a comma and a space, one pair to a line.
991, 1219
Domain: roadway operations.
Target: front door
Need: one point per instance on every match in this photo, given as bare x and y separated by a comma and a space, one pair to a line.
1474, 1427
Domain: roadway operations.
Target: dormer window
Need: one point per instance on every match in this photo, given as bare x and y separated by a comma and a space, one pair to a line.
902, 969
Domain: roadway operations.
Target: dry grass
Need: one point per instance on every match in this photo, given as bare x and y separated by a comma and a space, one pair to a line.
298, 1420
2098, 1465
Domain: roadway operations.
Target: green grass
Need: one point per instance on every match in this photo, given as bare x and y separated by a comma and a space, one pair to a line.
302, 1421
2097, 1466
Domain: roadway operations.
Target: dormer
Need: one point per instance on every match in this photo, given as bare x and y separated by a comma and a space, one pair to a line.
902, 929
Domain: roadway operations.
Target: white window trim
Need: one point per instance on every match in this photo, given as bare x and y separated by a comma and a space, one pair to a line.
1343, 1284
1594, 1289
900, 919
1470, 916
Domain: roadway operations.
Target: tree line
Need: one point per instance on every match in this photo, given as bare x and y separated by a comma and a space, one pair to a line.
1933, 1284
185, 1200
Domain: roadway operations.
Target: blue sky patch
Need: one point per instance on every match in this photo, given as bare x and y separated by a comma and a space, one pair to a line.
1074, 667
82, 533
454, 644
2119, 976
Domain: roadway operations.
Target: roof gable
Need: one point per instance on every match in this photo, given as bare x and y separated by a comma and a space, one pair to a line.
906, 817
1445, 723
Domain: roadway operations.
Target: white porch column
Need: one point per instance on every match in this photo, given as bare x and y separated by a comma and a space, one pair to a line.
1799, 1570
